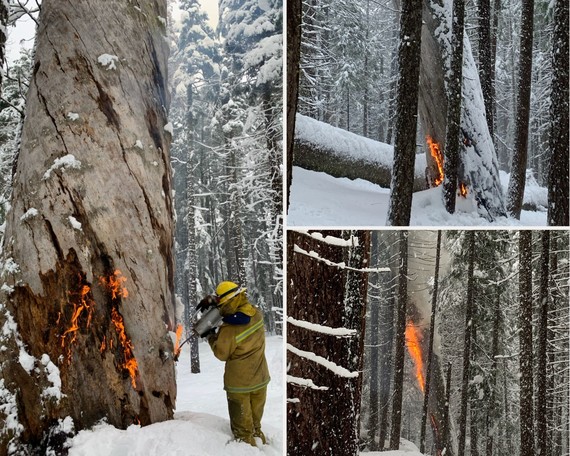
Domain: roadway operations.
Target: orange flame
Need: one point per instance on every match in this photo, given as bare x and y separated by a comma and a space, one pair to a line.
177, 348
437, 155
413, 337
462, 190
115, 284
84, 304
130, 362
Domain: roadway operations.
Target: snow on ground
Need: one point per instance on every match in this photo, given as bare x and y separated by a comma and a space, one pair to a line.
201, 426
318, 199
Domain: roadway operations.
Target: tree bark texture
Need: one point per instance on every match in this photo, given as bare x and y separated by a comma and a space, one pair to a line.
486, 61
294, 10
541, 375
467, 345
316, 293
517, 181
400, 207
559, 119
400, 343
312, 155
478, 168
525, 337
452, 141
80, 162
4, 10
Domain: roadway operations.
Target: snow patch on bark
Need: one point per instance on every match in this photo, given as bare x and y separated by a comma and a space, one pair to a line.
54, 378
139, 144
30, 213
66, 162
26, 360
10, 267
108, 61
73, 116
75, 223
9, 408
169, 128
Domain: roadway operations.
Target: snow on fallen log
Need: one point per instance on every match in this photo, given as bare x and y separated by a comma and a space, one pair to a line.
321, 147
341, 265
331, 240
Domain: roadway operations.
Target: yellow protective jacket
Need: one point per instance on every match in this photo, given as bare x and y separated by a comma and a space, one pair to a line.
242, 347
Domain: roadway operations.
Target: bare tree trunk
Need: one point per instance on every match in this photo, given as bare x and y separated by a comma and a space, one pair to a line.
451, 162
525, 335
374, 305
400, 343
486, 60
558, 140
4, 10
400, 207
446, 419
470, 237
89, 288
316, 392
294, 10
430, 347
492, 414
541, 378
520, 153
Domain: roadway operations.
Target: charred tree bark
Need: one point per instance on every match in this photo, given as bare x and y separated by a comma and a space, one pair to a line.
294, 10
559, 118
525, 336
520, 150
451, 162
313, 389
400, 207
400, 342
446, 419
467, 345
87, 203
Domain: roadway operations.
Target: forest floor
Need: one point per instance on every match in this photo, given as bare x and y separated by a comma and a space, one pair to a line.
406, 449
201, 426
318, 199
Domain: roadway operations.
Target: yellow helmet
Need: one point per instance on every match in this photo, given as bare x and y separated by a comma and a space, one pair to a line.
226, 291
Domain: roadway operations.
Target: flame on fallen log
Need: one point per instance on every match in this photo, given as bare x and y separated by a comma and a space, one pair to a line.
462, 190
413, 337
435, 152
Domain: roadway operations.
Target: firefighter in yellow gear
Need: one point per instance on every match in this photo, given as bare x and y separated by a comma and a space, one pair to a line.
240, 342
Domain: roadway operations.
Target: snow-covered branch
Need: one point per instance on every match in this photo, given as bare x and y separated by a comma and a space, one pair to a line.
305, 382
335, 368
332, 240
341, 265
339, 332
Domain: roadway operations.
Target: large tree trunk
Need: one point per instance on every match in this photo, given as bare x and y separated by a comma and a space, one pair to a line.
318, 389
520, 152
400, 207
525, 337
4, 10
558, 141
478, 169
294, 10
87, 203
400, 343
541, 376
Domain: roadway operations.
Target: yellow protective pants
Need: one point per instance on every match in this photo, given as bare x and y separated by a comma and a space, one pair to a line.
246, 410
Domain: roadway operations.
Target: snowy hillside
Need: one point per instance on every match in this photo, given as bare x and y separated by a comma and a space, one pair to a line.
318, 199
201, 426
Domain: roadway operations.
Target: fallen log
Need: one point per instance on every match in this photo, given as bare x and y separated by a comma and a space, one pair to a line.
340, 153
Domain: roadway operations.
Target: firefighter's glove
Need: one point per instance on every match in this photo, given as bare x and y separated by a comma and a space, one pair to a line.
207, 302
